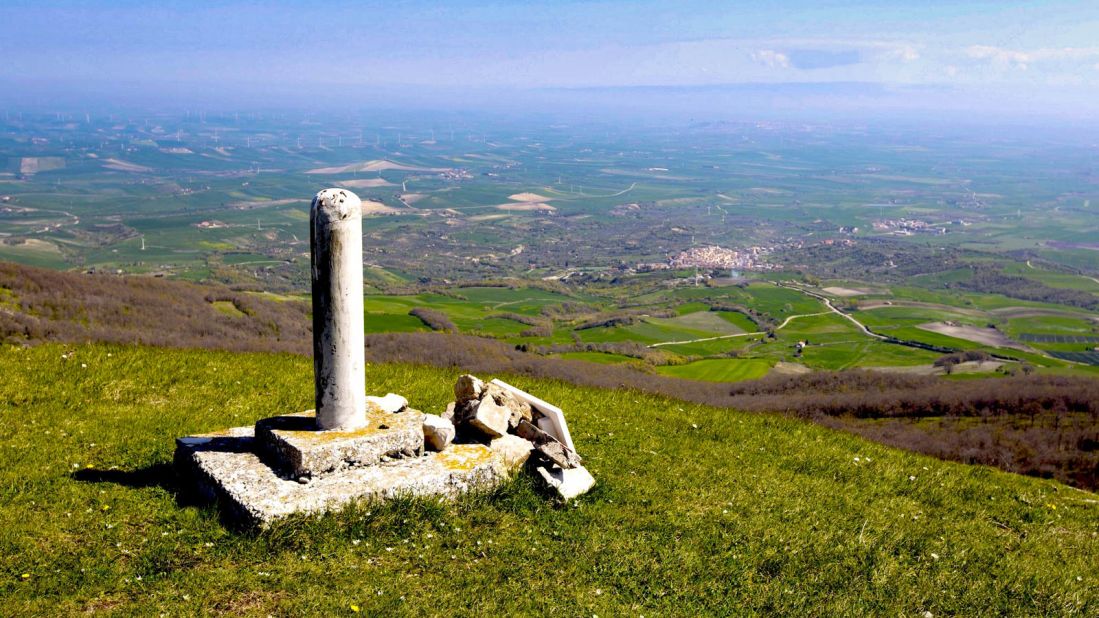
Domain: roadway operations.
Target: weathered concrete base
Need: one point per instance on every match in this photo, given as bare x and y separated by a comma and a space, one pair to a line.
224, 466
296, 448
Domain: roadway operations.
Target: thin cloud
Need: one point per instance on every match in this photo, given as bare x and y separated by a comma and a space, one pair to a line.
1022, 60
771, 58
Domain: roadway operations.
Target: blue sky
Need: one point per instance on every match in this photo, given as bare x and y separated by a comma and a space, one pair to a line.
1003, 53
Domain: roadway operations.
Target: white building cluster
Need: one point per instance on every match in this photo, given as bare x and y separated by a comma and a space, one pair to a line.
716, 257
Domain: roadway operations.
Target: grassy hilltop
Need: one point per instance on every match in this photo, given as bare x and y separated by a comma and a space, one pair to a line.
698, 510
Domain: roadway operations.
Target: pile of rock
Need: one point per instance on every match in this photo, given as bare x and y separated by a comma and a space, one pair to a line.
522, 429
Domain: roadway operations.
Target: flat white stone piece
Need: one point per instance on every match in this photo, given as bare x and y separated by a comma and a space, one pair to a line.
439, 432
223, 467
392, 402
555, 419
568, 483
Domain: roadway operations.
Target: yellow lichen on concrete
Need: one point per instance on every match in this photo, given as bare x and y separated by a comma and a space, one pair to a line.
377, 421
465, 457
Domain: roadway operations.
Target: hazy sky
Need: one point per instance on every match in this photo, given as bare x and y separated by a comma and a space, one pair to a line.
1008, 54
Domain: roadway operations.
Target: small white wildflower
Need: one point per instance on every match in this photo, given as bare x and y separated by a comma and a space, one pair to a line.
911, 478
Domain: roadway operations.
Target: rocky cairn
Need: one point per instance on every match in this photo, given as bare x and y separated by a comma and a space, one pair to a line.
523, 434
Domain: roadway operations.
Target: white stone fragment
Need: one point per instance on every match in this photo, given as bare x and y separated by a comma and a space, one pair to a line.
553, 421
513, 450
390, 403
438, 432
568, 483
490, 419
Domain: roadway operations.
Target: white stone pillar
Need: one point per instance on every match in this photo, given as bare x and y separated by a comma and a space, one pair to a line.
339, 358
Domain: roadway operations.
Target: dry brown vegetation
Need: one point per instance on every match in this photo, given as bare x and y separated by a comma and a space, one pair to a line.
45, 305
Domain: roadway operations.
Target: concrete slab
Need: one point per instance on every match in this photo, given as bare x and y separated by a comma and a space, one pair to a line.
294, 446
223, 467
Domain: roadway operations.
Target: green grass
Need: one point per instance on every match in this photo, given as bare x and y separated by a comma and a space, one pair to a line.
602, 358
392, 323
698, 511
702, 321
228, 308
719, 370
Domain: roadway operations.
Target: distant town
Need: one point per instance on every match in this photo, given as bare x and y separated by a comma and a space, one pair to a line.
714, 258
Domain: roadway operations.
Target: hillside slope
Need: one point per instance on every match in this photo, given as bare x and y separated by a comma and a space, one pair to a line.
698, 510
1042, 425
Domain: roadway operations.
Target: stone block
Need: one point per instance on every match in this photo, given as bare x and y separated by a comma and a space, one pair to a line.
238, 440
489, 419
468, 387
567, 483
295, 447
528, 431
513, 450
518, 410
438, 432
548, 447
223, 467
559, 454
